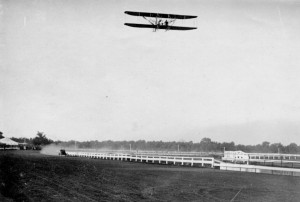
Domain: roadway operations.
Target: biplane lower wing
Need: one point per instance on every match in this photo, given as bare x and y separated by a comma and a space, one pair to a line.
159, 27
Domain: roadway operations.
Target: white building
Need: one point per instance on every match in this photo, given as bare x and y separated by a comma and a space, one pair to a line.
7, 143
235, 156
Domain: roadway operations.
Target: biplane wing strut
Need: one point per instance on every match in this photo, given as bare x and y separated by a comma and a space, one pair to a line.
155, 24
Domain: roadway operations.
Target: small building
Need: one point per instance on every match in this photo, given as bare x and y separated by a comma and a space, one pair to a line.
23, 146
235, 156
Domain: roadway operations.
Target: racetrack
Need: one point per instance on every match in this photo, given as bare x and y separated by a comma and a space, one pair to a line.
31, 176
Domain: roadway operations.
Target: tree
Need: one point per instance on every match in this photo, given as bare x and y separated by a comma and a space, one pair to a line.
21, 139
292, 148
229, 146
265, 146
1, 136
41, 139
277, 148
205, 144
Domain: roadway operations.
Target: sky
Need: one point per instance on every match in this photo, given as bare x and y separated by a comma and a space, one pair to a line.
72, 70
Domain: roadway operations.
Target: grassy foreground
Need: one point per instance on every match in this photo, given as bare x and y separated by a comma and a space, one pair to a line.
31, 176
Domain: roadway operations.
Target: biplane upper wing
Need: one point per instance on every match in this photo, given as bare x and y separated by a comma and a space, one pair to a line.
159, 27
160, 15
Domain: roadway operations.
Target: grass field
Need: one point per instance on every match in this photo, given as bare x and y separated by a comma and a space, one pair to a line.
31, 176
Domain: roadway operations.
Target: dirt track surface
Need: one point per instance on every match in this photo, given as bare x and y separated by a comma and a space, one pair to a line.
31, 176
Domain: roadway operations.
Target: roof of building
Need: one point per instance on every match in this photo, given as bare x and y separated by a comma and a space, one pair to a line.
8, 141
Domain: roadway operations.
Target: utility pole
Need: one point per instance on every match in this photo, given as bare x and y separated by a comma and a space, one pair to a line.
130, 147
279, 156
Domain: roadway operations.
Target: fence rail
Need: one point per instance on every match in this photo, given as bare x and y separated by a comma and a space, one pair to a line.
187, 160
203, 161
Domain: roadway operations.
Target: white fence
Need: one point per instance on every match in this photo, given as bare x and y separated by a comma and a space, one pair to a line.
260, 169
187, 160
203, 161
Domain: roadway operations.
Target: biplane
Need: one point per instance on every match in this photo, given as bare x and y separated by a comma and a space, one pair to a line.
160, 21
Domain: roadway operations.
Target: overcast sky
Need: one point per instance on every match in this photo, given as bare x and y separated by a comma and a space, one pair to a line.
73, 70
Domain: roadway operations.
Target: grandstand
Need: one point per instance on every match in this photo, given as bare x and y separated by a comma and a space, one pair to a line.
266, 159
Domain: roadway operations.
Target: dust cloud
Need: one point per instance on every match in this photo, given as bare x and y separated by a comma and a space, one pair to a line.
52, 149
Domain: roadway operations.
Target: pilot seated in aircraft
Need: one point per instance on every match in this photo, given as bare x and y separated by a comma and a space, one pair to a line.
166, 23
159, 23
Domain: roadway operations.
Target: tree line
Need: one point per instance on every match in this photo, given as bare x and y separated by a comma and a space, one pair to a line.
205, 145
38, 141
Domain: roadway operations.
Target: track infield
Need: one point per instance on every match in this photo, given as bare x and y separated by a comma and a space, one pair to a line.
31, 176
